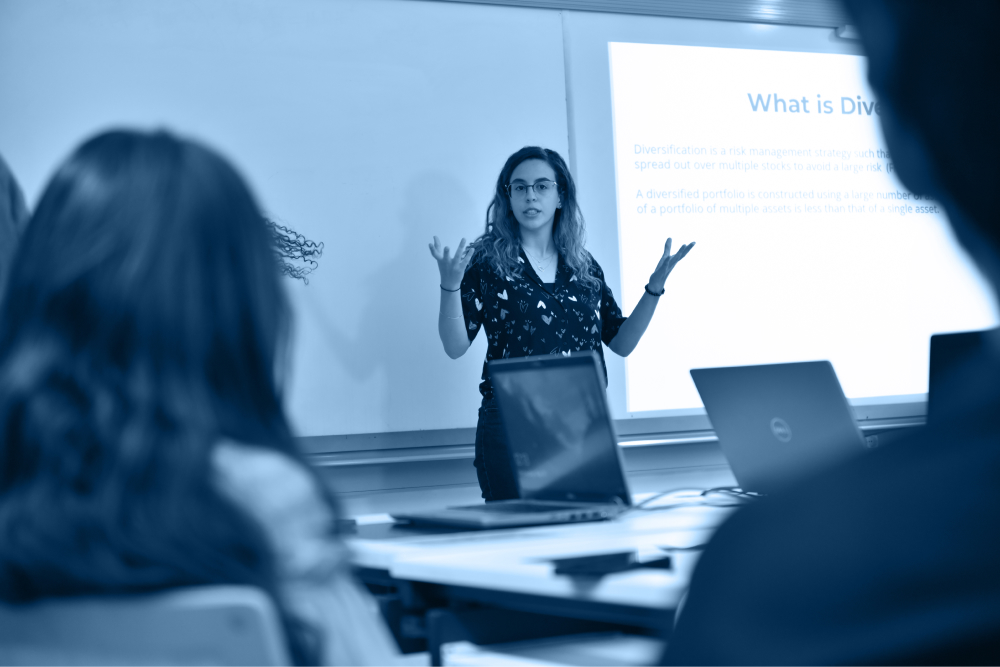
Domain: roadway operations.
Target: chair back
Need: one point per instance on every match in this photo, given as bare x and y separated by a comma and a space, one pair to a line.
210, 625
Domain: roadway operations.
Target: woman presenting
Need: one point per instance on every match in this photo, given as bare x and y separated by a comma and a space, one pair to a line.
529, 281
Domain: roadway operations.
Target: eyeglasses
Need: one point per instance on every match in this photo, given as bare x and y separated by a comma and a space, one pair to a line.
541, 188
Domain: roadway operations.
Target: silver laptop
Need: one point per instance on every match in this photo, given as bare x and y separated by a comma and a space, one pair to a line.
777, 423
561, 443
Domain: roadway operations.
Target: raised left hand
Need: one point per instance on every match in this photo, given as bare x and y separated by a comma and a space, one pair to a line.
666, 265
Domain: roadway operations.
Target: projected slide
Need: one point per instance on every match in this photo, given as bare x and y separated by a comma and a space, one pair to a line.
807, 245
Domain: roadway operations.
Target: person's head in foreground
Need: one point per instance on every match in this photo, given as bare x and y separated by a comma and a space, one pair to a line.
940, 143
890, 558
143, 323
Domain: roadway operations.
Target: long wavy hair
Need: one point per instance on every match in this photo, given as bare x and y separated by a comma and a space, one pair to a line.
297, 255
143, 323
500, 244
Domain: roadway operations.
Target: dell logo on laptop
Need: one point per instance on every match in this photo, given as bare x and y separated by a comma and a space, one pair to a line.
781, 430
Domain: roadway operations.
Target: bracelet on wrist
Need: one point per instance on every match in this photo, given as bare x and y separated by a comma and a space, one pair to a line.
652, 293
451, 290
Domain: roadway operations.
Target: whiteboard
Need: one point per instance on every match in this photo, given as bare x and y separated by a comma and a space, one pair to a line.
370, 125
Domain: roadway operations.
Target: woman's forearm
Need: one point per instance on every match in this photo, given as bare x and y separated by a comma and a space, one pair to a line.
634, 327
451, 325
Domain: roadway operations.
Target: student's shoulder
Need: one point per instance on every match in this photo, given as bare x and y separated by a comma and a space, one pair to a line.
854, 519
280, 493
247, 469
803, 563
283, 497
268, 483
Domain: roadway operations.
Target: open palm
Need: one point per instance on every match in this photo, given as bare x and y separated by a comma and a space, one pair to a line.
666, 265
452, 267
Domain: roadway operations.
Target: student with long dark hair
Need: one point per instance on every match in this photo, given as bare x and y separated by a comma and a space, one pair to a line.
531, 284
143, 442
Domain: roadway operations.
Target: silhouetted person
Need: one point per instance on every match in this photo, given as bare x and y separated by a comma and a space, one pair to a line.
894, 557
143, 442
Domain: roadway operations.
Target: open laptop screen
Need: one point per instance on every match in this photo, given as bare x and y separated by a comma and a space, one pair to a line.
960, 372
558, 430
778, 423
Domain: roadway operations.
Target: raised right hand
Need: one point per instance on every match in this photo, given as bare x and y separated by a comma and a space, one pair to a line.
452, 268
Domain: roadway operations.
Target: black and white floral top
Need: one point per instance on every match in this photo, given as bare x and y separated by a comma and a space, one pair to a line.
522, 316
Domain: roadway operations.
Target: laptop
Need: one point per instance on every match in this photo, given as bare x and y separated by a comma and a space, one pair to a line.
960, 373
777, 423
561, 442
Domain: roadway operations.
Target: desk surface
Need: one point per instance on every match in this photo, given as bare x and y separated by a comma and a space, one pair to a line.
519, 560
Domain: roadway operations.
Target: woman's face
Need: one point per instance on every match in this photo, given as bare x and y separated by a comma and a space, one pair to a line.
534, 207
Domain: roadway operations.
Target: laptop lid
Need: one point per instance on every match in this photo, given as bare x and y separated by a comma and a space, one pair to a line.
778, 422
959, 373
558, 428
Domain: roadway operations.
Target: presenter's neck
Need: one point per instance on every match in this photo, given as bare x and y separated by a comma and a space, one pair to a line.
538, 241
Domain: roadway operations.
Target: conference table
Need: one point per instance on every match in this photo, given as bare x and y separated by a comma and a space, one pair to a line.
442, 585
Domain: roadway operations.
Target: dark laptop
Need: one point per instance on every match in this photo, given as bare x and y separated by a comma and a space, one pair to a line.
561, 442
959, 374
778, 422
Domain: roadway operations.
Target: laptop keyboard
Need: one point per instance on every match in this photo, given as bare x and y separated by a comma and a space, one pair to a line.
517, 508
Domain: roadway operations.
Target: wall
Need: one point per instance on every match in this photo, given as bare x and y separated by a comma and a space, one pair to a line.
370, 125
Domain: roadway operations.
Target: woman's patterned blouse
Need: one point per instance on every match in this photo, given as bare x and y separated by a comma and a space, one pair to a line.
522, 316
